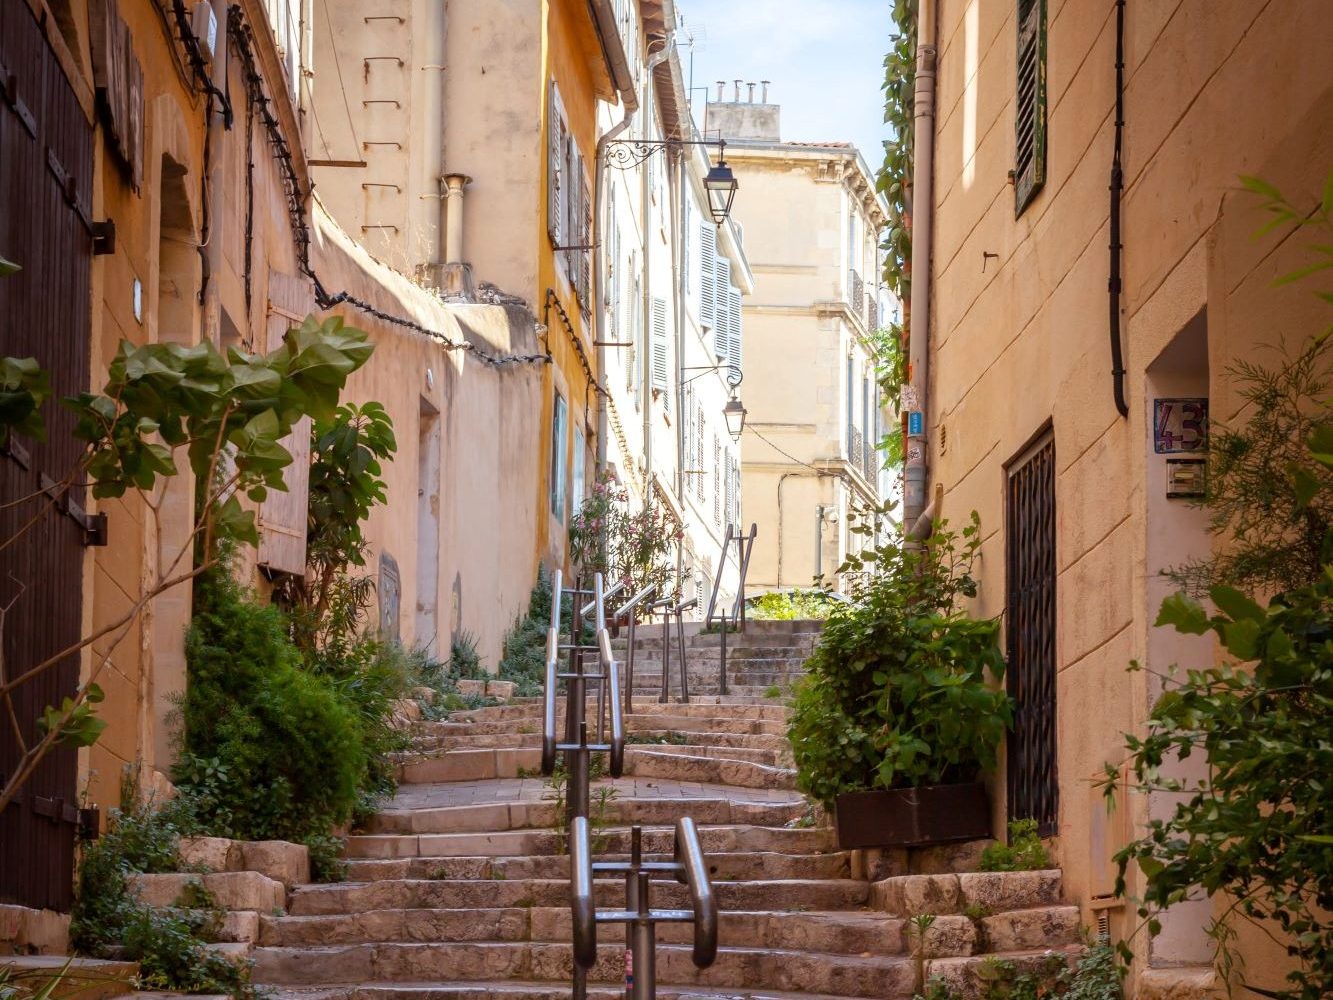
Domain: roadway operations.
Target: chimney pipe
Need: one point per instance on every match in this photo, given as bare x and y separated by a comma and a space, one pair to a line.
751, 86
764, 84
720, 85
453, 238
737, 95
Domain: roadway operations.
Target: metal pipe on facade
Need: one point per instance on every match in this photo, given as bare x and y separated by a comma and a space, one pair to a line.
452, 189
216, 184
1117, 187
915, 467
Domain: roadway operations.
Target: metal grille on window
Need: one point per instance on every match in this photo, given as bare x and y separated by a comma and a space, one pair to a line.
1030, 112
1030, 632
699, 454
717, 481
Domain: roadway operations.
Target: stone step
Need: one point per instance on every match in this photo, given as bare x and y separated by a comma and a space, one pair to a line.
398, 894
517, 815
230, 890
967, 977
646, 763
643, 706
721, 866
509, 990
680, 720
970, 892
657, 840
885, 977
85, 978
846, 933
639, 737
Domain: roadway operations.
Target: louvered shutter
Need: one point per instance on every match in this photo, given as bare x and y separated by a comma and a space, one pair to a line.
734, 330
283, 516
555, 157
699, 456
661, 360
1030, 105
722, 305
707, 266
585, 240
717, 481
726, 489
687, 239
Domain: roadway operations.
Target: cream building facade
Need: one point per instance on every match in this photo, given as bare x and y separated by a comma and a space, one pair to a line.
811, 222
1020, 411
671, 338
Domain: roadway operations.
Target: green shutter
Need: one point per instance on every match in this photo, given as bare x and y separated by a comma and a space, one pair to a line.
1030, 104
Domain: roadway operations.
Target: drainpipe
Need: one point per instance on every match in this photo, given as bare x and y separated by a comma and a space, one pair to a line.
452, 190
915, 470
631, 102
217, 187
1117, 186
436, 27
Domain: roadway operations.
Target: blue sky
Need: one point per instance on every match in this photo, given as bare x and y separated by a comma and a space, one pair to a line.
824, 58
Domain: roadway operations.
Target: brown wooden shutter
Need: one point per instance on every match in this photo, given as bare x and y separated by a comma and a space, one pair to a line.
555, 156
118, 78
283, 517
1030, 104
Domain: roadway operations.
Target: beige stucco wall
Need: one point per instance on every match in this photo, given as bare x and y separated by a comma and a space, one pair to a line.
1213, 91
486, 471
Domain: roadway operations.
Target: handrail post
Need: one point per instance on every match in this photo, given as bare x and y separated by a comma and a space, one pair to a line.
629, 662
722, 660
666, 654
684, 661
552, 662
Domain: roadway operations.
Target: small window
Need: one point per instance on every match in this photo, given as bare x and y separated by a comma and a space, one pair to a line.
1030, 104
559, 418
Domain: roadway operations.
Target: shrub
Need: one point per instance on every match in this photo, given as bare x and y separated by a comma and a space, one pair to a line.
899, 691
791, 605
1024, 852
523, 659
169, 944
269, 749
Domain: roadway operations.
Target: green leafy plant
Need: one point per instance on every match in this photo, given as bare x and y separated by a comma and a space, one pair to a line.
1024, 852
791, 605
900, 691
606, 537
1095, 976
170, 944
270, 750
523, 656
161, 403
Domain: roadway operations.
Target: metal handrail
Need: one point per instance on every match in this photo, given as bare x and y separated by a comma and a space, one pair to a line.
634, 602
549, 738
694, 873
611, 675
583, 906
626, 613
591, 605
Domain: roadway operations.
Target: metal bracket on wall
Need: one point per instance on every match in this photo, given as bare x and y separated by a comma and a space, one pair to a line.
92, 526
104, 237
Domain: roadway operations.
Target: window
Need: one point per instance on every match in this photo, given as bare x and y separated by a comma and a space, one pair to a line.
661, 354
568, 200
579, 489
556, 194
717, 481
1030, 111
707, 267
559, 418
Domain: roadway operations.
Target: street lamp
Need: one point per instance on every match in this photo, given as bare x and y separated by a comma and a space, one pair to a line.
720, 183
721, 186
734, 414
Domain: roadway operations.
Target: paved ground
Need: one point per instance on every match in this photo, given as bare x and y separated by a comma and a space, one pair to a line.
465, 793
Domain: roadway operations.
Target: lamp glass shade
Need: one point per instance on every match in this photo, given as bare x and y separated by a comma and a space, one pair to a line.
721, 186
734, 414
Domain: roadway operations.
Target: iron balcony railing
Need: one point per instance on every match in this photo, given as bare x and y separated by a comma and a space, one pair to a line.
870, 462
856, 291
855, 446
872, 313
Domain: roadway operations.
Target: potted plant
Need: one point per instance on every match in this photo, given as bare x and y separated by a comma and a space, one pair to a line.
901, 711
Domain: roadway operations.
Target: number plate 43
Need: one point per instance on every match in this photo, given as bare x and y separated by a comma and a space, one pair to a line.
1180, 425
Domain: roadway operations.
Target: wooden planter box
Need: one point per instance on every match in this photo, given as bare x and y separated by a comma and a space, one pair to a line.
913, 817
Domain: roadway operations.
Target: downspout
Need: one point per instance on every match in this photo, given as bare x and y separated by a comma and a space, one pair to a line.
645, 254
1117, 186
631, 102
437, 27
216, 185
915, 470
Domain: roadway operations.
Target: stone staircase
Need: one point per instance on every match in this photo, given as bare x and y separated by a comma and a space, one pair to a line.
767, 655
459, 887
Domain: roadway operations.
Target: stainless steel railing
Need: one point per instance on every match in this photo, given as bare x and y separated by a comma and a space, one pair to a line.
576, 746
688, 866
734, 621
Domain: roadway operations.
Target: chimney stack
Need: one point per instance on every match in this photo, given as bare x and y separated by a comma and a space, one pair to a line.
720, 85
764, 84
737, 96
751, 86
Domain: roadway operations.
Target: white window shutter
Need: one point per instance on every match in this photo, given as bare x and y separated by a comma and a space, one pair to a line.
717, 481
722, 303
584, 257
707, 265
699, 454
283, 517
555, 157
661, 359
734, 330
